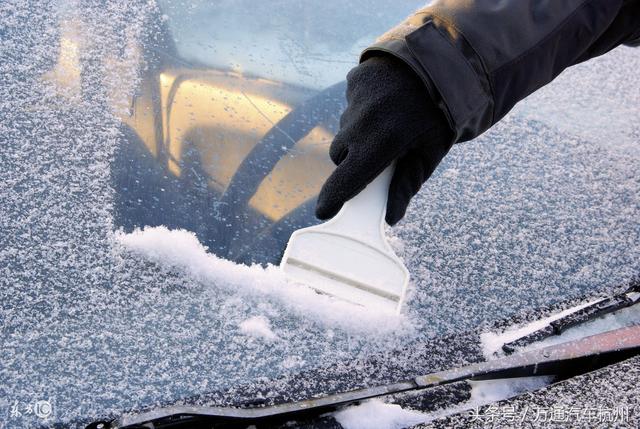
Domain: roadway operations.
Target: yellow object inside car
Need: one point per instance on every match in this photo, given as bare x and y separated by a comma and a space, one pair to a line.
222, 116
216, 116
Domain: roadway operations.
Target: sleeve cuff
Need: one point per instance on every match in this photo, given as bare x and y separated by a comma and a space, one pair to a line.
453, 83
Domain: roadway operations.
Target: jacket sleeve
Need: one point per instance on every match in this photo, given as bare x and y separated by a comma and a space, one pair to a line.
478, 58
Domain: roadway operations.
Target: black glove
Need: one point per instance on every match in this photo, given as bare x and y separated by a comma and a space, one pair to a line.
389, 116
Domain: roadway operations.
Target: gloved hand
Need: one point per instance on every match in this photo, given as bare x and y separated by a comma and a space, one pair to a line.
389, 116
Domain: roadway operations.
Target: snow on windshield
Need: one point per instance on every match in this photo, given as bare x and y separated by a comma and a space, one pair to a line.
103, 312
181, 250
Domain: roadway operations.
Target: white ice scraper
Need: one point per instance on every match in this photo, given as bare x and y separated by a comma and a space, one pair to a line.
348, 257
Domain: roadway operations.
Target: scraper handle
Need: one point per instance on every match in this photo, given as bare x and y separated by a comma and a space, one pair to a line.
363, 215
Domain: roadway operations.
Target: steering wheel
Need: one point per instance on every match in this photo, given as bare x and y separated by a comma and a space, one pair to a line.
322, 109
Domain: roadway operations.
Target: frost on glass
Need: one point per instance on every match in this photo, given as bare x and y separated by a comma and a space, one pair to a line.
152, 152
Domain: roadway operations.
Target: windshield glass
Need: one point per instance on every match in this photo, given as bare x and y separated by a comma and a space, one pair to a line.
294, 42
157, 157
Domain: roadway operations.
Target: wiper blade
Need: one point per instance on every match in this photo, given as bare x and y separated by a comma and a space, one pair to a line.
561, 358
593, 311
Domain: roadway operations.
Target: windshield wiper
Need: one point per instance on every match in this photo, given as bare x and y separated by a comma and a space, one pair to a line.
611, 346
585, 314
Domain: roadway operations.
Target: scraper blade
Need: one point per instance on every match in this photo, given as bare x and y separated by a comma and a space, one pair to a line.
348, 256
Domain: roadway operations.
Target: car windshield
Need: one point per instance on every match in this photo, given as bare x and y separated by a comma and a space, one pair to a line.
157, 157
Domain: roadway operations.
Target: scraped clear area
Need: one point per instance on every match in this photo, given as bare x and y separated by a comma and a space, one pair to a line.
258, 327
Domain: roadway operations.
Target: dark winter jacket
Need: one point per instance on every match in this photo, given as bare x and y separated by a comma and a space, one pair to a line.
479, 58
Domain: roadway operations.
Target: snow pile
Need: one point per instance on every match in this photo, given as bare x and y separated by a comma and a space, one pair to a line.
181, 250
375, 414
258, 327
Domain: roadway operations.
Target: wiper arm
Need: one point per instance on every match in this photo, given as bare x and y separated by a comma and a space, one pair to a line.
593, 311
561, 358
